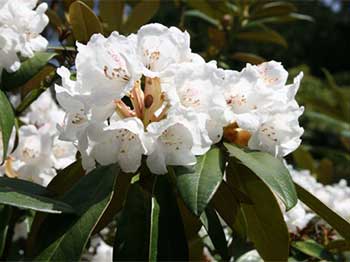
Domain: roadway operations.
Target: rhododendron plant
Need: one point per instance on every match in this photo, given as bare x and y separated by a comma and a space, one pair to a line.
130, 138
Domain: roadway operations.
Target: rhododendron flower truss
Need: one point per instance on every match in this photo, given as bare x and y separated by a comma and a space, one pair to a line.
148, 94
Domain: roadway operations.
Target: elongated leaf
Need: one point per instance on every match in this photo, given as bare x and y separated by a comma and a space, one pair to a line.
7, 122
111, 12
141, 14
153, 240
118, 200
276, 8
270, 170
59, 185
264, 36
5, 215
63, 238
132, 238
336, 221
304, 159
265, 223
203, 16
172, 243
24, 194
29, 68
228, 207
215, 231
198, 184
84, 22
314, 249
248, 58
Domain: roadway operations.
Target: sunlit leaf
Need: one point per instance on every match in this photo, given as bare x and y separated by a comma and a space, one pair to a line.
312, 248
84, 22
271, 170
7, 122
140, 15
24, 194
198, 184
29, 68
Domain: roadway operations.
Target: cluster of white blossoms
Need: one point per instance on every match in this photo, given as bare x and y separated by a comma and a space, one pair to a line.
39, 152
148, 95
21, 23
335, 196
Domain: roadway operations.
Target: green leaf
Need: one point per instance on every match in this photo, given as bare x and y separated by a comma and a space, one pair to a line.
59, 185
111, 13
312, 248
171, 232
229, 209
203, 16
24, 194
206, 8
248, 58
153, 241
265, 224
84, 22
275, 8
63, 238
269, 36
29, 68
304, 159
5, 215
270, 170
198, 184
7, 122
121, 189
336, 221
132, 238
140, 15
215, 231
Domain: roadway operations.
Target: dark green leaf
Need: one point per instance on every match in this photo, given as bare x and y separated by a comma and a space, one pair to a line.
132, 238
84, 22
276, 8
198, 184
203, 16
140, 15
63, 238
7, 122
29, 68
304, 159
229, 209
336, 221
270, 170
172, 243
248, 58
269, 36
5, 215
312, 248
265, 224
215, 231
24, 194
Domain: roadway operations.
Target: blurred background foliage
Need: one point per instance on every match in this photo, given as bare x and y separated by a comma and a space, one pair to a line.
311, 36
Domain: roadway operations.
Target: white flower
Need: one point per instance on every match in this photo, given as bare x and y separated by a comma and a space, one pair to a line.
159, 47
63, 153
106, 68
173, 143
297, 218
44, 113
122, 141
20, 27
196, 87
279, 134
